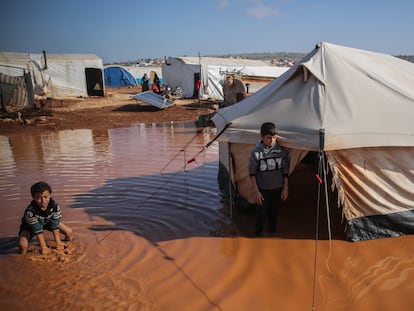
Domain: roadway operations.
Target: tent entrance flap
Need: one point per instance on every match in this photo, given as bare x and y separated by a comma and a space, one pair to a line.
94, 82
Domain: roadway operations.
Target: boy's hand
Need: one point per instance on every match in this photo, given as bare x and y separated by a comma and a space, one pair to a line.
285, 191
45, 250
59, 247
259, 198
284, 195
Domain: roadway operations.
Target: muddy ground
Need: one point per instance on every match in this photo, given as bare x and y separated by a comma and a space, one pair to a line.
116, 109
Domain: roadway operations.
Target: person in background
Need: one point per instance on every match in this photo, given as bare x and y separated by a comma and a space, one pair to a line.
268, 171
145, 83
157, 84
233, 90
43, 213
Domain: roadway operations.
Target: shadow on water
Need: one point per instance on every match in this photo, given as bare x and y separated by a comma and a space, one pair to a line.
188, 204
299, 215
8, 245
158, 207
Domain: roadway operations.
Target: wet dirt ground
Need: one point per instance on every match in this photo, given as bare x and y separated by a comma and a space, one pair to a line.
116, 109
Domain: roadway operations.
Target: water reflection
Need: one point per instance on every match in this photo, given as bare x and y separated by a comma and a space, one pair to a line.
117, 172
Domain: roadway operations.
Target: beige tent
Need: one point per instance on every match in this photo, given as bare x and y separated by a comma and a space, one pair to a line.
353, 106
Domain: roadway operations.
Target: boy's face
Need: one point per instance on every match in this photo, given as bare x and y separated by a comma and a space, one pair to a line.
269, 140
42, 199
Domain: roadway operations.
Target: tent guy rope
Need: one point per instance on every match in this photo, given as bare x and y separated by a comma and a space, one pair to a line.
322, 181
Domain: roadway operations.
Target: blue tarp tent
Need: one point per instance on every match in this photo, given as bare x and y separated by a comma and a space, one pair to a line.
116, 76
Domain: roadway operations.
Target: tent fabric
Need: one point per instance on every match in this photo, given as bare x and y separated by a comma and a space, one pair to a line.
375, 186
177, 73
139, 71
354, 105
58, 76
360, 98
13, 93
381, 226
67, 76
374, 181
117, 76
181, 72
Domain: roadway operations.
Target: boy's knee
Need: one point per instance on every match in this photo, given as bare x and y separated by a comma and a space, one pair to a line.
69, 234
66, 231
23, 246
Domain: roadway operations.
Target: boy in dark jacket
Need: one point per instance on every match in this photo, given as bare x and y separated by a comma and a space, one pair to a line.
43, 213
268, 170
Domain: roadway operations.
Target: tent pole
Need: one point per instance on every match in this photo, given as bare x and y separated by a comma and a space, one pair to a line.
321, 140
230, 182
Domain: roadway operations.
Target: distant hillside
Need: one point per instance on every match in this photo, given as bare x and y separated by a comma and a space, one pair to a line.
277, 58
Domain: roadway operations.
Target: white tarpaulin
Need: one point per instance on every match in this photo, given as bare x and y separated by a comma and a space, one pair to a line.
59, 75
184, 71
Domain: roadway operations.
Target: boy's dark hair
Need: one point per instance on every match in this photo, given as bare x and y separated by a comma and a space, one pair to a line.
268, 128
39, 188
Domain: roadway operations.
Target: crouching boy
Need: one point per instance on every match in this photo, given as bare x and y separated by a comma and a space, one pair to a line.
43, 213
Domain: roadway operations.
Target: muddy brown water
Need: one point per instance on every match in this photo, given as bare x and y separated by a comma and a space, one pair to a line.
151, 233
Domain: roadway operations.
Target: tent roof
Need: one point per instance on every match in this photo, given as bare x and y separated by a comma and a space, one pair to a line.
249, 67
10, 62
12, 56
358, 98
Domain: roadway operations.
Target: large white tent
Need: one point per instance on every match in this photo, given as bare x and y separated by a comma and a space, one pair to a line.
185, 72
59, 76
355, 107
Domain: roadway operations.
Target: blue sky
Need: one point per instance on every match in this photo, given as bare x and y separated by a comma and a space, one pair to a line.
129, 30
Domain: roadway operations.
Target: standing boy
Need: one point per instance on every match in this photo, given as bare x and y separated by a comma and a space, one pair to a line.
268, 170
43, 213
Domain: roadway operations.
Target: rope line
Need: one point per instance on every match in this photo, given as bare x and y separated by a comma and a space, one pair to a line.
183, 168
321, 181
181, 150
317, 229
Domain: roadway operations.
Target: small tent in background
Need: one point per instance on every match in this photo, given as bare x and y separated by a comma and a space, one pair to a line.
186, 72
355, 107
58, 76
118, 76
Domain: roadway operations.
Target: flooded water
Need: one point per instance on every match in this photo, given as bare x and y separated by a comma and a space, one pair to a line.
152, 234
